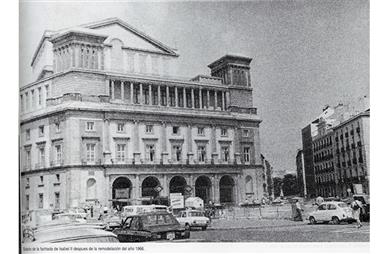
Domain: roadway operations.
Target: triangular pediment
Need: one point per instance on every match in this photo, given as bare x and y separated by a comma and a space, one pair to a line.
131, 37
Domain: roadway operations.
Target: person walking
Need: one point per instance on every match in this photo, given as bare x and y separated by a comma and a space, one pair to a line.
299, 216
356, 211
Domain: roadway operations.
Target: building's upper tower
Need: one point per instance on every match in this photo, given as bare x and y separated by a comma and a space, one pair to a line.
234, 70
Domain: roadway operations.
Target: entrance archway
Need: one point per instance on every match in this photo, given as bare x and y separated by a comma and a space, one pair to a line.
226, 189
177, 185
148, 187
121, 191
203, 188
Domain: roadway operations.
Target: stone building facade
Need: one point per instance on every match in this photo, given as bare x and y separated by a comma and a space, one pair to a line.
107, 122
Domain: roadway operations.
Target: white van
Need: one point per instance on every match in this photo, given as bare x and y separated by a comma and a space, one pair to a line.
138, 209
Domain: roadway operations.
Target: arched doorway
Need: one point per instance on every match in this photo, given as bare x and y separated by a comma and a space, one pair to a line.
121, 192
177, 185
91, 189
148, 187
203, 188
248, 185
226, 189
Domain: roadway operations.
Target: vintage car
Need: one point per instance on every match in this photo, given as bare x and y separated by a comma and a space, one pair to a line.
193, 218
68, 233
149, 227
111, 222
331, 211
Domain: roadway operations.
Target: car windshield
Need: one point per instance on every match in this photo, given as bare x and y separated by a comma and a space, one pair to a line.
342, 205
196, 214
150, 220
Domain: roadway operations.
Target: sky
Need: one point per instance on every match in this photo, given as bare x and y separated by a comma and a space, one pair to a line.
306, 54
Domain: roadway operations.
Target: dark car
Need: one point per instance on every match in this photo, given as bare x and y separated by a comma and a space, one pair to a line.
150, 227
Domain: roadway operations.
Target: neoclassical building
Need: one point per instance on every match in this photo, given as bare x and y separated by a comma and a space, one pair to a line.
106, 120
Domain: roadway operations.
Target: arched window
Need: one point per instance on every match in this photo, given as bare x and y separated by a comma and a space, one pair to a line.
91, 189
248, 184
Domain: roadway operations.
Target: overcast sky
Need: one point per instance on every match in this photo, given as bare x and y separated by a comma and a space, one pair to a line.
305, 53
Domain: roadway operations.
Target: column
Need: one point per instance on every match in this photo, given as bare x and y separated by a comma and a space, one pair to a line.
150, 94
236, 141
184, 97
168, 96
141, 94
137, 187
122, 90
159, 102
227, 100
215, 100
200, 98
213, 143
131, 88
208, 99
136, 141
176, 96
164, 143
165, 191
113, 89
107, 88
190, 154
192, 98
217, 189
223, 101
106, 142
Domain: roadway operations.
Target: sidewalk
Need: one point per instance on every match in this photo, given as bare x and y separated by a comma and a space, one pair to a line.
251, 223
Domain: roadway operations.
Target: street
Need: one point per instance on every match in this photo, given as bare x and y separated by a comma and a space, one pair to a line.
280, 231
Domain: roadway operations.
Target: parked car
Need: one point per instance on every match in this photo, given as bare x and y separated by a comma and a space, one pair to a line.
68, 233
138, 209
151, 226
333, 211
365, 211
193, 218
111, 222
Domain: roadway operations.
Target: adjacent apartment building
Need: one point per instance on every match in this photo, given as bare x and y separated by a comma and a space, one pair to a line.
338, 141
106, 122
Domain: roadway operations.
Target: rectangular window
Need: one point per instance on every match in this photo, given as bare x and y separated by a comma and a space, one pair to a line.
149, 129
28, 159
246, 133
57, 200
57, 127
32, 99
27, 202
90, 152
41, 179
247, 154
40, 201
177, 152
28, 134
47, 91
58, 177
27, 181
150, 153
120, 152
120, 127
224, 132
58, 153
201, 131
225, 153
41, 131
201, 153
40, 96
89, 126
175, 130
41, 158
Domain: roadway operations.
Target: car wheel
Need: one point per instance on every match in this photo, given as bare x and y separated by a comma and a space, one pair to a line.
335, 220
312, 220
204, 228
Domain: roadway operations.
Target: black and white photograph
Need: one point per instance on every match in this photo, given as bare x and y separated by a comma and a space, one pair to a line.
193, 122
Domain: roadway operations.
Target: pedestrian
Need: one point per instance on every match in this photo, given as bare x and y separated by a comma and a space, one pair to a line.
319, 200
299, 216
356, 210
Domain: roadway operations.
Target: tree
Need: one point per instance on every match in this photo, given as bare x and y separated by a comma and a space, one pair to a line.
290, 186
277, 185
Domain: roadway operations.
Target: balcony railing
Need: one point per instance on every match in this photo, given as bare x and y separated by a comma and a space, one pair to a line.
56, 163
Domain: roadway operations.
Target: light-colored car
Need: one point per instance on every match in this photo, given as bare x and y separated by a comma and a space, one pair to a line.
193, 218
333, 211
